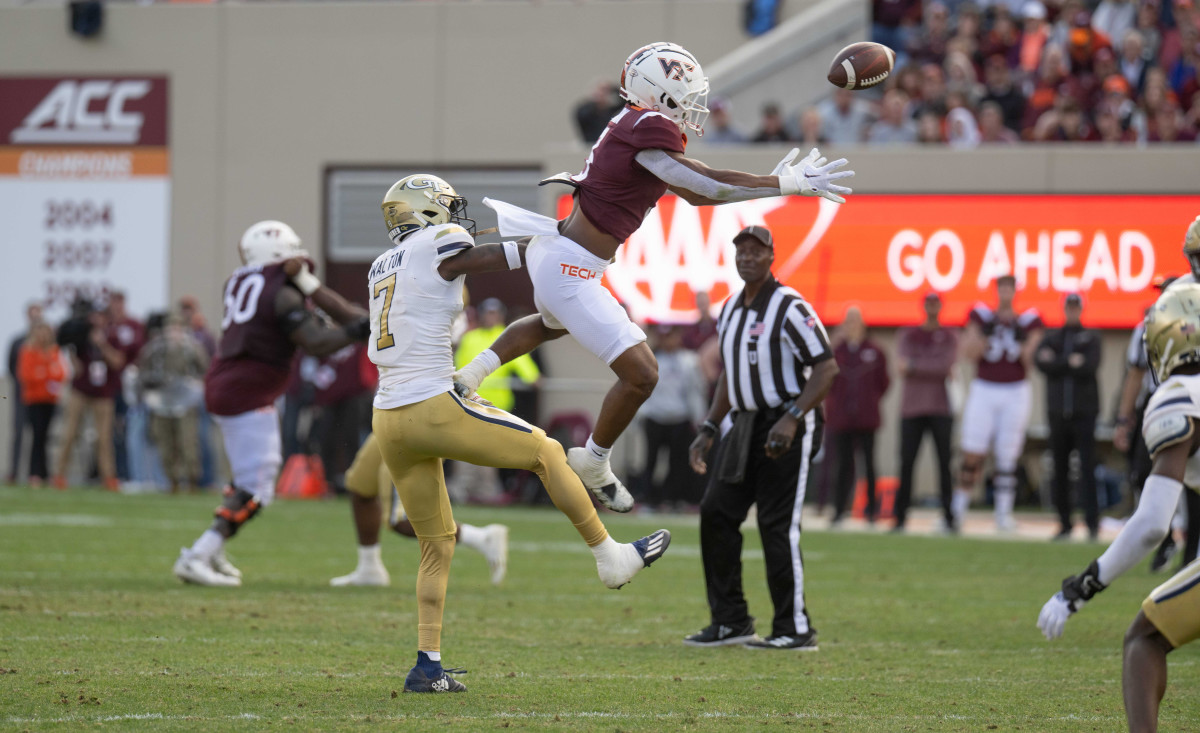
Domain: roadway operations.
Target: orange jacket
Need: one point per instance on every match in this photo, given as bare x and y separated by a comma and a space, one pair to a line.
41, 374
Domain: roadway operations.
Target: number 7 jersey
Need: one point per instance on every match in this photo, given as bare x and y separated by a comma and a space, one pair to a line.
412, 315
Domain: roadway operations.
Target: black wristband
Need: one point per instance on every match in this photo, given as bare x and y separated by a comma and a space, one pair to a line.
708, 427
1085, 585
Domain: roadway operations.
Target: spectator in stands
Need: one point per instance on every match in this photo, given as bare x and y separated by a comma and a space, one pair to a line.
907, 79
991, 126
98, 361
1110, 128
1167, 125
1173, 34
719, 128
128, 334
1084, 42
1064, 123
704, 328
809, 134
1182, 74
929, 129
962, 130
33, 316
1003, 39
592, 114
853, 409
1133, 63
844, 117
772, 128
40, 373
933, 91
895, 24
1034, 34
171, 370
893, 126
1147, 27
1060, 30
925, 356
967, 31
194, 323
929, 45
1069, 357
1115, 18
669, 419
1051, 77
961, 78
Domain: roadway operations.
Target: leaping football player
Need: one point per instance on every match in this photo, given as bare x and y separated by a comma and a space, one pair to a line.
368, 478
416, 292
1002, 343
638, 158
1170, 616
267, 316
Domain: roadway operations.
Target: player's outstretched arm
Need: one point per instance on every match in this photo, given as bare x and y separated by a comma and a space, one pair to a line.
698, 184
485, 258
1137, 539
313, 334
338, 308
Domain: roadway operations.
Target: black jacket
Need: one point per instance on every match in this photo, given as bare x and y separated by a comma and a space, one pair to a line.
1071, 391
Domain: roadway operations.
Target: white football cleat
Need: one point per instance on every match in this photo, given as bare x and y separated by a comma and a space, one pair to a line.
377, 576
193, 569
221, 564
495, 549
598, 478
627, 560
1006, 524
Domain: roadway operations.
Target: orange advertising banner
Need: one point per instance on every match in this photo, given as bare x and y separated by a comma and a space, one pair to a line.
883, 253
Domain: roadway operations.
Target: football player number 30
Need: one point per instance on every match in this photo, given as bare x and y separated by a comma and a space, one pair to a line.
387, 287
241, 299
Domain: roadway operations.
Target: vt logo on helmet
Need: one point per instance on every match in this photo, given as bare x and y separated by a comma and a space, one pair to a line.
419, 201
666, 78
269, 241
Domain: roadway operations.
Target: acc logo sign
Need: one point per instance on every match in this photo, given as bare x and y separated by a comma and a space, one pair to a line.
85, 111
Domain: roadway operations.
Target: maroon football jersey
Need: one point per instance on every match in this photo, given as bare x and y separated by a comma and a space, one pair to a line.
615, 192
254, 355
1001, 361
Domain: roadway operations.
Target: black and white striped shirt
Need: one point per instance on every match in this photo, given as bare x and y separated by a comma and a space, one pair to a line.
770, 346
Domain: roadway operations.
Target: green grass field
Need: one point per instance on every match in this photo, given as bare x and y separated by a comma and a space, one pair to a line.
916, 633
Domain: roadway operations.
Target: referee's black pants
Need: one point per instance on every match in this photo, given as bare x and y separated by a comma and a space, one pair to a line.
1078, 434
777, 487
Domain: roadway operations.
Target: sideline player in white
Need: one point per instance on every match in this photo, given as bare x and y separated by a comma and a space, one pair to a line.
268, 315
416, 291
637, 159
1002, 343
1170, 616
366, 479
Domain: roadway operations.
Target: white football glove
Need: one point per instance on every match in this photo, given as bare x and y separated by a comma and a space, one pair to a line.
305, 281
812, 176
1055, 613
465, 385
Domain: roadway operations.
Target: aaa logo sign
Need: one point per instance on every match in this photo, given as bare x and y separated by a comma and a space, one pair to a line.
882, 252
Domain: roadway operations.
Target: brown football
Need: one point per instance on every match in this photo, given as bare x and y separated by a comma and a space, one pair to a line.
861, 65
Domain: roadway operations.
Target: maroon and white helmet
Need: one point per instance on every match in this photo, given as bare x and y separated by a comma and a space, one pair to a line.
666, 78
269, 241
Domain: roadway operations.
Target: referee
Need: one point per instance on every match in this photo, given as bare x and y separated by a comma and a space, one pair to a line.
778, 368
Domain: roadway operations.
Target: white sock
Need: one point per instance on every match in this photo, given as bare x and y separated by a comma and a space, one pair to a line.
433, 656
480, 367
471, 536
959, 503
600, 454
1005, 498
370, 556
209, 544
608, 549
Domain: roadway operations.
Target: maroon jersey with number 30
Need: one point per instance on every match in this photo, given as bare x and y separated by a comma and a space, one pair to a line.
1001, 361
254, 355
615, 191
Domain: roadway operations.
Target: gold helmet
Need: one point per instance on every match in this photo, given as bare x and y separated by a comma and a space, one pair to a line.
420, 201
1191, 245
1172, 335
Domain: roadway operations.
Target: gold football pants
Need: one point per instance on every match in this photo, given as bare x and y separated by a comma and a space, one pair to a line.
415, 438
1174, 606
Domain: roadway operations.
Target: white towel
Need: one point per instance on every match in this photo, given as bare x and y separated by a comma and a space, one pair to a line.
517, 222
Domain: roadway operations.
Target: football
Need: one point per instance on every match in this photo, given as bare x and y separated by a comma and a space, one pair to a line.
861, 65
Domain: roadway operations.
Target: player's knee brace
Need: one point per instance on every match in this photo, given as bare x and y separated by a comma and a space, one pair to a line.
236, 509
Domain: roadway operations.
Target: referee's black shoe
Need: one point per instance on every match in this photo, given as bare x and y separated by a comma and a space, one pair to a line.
723, 635
797, 642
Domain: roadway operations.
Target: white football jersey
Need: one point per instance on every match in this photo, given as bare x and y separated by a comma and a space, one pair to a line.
1167, 419
413, 311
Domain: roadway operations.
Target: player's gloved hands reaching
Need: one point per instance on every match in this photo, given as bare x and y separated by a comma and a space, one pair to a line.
812, 176
1076, 591
301, 275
